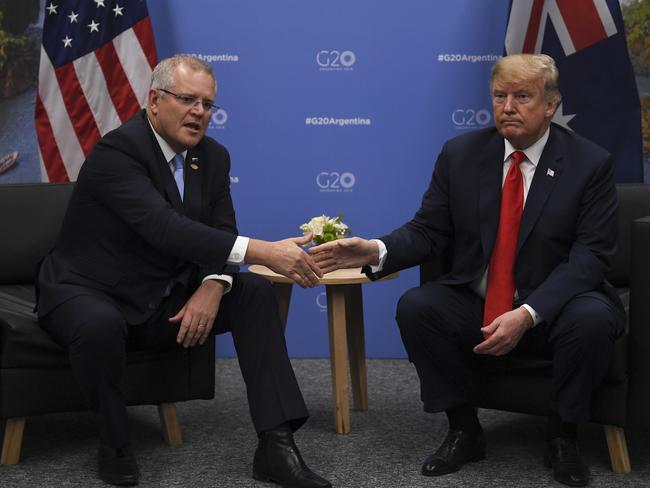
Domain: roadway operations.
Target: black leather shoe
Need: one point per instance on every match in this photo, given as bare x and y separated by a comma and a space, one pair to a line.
458, 448
277, 459
118, 466
562, 455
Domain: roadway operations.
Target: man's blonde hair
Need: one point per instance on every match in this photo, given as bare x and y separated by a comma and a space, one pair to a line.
526, 67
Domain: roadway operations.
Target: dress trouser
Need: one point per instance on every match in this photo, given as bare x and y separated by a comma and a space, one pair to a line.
440, 325
97, 336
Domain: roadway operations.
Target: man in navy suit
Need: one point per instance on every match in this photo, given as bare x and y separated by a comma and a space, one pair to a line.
559, 231
147, 258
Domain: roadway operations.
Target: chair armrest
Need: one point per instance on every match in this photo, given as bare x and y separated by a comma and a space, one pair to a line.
202, 359
639, 326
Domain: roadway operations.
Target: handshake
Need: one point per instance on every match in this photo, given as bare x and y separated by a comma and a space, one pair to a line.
288, 258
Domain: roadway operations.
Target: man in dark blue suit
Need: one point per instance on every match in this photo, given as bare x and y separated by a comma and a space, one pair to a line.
147, 258
528, 212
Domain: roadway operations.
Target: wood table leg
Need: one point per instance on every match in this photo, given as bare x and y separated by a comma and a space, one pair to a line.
283, 296
338, 357
356, 346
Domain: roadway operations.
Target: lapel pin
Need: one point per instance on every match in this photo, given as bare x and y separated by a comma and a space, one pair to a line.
194, 159
194, 166
550, 172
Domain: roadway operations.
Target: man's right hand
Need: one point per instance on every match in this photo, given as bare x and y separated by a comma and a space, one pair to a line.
287, 258
345, 253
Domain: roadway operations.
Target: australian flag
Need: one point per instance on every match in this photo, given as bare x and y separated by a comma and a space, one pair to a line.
599, 94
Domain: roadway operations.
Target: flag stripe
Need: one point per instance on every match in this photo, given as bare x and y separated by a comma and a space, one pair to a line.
77, 107
532, 31
125, 101
95, 90
583, 22
144, 33
62, 129
135, 64
47, 146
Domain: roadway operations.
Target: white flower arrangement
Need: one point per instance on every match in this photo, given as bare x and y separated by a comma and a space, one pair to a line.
325, 229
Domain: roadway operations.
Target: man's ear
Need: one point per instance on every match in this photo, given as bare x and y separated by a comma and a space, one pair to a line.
152, 100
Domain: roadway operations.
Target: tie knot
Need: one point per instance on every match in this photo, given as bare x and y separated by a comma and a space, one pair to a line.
518, 157
178, 162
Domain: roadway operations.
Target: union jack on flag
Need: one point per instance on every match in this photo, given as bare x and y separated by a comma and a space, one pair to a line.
599, 95
96, 62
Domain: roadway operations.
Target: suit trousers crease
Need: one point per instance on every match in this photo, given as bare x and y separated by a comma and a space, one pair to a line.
97, 337
440, 325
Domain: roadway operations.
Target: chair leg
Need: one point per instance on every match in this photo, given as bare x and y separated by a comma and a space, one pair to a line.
169, 422
13, 441
617, 446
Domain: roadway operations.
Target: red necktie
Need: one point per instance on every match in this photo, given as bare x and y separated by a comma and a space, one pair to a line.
500, 291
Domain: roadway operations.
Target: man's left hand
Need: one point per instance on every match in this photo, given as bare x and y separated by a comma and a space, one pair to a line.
198, 314
505, 332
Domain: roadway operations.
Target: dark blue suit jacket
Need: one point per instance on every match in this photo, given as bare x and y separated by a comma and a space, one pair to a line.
127, 235
568, 229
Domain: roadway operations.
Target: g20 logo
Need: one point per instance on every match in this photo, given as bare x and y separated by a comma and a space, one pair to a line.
335, 181
220, 117
321, 301
335, 59
470, 118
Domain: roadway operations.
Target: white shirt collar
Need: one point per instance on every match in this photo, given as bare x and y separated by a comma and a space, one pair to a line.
166, 149
533, 153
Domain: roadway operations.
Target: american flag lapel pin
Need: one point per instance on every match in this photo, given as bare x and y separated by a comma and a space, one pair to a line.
550, 172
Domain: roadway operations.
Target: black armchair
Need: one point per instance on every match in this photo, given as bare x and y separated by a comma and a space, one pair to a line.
522, 382
35, 375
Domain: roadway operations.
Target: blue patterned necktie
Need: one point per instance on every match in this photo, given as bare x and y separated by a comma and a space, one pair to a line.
178, 163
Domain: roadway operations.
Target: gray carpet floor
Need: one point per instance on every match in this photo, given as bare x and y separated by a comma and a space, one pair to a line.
384, 449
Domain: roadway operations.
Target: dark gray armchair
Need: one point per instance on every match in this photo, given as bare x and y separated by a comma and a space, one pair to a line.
522, 382
35, 375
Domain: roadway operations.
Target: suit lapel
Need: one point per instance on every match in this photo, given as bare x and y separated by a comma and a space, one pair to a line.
548, 172
193, 177
491, 175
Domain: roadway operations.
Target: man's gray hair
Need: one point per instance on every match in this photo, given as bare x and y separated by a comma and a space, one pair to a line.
161, 77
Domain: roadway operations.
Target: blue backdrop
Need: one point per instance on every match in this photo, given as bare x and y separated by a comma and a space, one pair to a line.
337, 107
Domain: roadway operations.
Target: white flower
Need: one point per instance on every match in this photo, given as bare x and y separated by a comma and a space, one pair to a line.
325, 228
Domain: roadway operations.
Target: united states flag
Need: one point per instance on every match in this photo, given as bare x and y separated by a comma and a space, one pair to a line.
599, 94
96, 63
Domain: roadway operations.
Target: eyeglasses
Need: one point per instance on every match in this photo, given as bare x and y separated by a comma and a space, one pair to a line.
191, 101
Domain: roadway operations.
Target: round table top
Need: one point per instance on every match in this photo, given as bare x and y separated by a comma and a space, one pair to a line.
350, 276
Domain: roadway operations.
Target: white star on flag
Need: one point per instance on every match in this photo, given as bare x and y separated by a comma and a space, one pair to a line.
561, 119
94, 27
51, 8
73, 17
100, 3
67, 42
118, 10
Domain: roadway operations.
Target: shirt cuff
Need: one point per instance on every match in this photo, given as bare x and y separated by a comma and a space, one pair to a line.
238, 251
383, 252
537, 318
226, 278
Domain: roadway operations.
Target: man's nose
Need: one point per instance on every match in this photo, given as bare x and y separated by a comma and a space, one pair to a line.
509, 104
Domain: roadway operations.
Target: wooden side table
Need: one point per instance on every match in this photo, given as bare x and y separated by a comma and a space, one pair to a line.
346, 334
